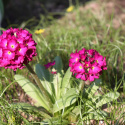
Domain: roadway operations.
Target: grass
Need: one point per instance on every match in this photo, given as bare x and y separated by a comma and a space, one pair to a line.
79, 29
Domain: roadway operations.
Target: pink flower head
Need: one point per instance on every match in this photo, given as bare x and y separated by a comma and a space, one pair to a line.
16, 48
12, 45
87, 64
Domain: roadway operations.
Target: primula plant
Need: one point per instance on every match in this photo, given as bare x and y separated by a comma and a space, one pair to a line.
56, 99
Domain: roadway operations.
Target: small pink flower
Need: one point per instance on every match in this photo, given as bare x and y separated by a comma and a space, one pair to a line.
1, 52
91, 77
53, 71
20, 41
99, 59
81, 76
8, 55
87, 64
22, 50
49, 64
75, 57
94, 68
83, 57
3, 43
81, 52
78, 67
12, 45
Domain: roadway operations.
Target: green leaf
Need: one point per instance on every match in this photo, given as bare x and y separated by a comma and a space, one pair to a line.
58, 65
29, 108
107, 98
57, 78
31, 90
74, 114
56, 82
124, 85
93, 88
97, 115
55, 121
44, 75
68, 99
65, 82
2, 123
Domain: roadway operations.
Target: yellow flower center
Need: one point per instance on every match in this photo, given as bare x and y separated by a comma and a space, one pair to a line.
6, 44
15, 35
88, 69
12, 46
87, 65
76, 59
9, 52
80, 67
97, 61
19, 49
93, 67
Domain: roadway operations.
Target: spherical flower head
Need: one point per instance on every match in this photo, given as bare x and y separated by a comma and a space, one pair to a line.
87, 64
16, 48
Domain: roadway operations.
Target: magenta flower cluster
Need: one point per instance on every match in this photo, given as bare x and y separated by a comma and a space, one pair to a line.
87, 64
16, 48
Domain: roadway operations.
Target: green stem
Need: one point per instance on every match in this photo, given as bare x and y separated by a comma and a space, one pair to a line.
82, 86
87, 82
42, 89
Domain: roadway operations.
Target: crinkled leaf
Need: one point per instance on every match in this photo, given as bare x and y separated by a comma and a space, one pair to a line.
55, 121
68, 99
31, 90
97, 115
107, 98
93, 88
